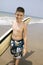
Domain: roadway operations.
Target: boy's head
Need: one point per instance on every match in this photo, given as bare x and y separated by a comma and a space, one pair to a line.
20, 9
19, 14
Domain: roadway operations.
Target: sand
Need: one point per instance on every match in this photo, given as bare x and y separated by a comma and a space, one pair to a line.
35, 46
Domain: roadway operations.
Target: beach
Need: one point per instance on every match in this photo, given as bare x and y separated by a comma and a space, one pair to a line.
34, 44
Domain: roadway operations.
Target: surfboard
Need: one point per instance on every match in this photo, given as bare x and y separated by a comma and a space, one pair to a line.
5, 39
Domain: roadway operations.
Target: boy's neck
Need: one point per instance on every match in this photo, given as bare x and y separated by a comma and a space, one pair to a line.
19, 22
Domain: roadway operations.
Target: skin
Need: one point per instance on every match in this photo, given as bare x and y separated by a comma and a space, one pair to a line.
19, 28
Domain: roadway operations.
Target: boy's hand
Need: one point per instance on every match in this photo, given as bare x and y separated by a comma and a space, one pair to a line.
24, 52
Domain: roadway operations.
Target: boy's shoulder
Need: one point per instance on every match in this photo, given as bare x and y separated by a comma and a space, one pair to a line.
24, 24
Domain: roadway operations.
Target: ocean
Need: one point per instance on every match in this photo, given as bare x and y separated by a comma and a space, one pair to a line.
7, 18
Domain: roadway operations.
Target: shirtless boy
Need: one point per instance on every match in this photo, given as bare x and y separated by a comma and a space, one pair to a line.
19, 35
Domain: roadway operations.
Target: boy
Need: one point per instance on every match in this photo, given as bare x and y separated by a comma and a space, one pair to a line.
19, 36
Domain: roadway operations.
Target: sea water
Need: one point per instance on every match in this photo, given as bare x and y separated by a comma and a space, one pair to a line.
7, 19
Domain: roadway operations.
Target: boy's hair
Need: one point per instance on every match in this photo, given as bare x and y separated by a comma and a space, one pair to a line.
20, 9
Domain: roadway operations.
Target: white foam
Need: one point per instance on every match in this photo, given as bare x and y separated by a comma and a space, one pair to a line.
6, 20
33, 22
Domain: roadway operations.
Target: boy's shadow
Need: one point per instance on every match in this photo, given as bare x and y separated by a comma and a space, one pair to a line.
23, 60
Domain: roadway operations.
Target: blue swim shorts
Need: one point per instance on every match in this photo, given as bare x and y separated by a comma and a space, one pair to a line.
17, 48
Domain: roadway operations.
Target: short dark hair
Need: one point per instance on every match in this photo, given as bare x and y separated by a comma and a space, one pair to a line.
20, 9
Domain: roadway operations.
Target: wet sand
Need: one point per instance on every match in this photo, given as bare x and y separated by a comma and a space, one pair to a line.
35, 47
4, 29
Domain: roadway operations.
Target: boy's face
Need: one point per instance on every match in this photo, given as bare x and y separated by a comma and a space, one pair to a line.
19, 16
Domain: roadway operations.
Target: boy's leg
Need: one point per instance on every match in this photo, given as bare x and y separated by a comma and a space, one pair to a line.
17, 62
14, 60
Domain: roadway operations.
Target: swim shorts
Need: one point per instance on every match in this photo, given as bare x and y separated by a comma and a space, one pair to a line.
17, 48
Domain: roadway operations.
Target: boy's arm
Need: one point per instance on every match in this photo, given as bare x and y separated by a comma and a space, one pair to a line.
25, 38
